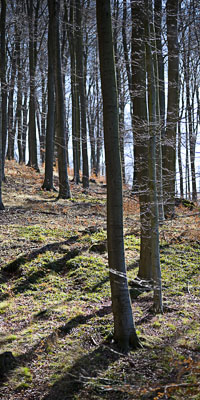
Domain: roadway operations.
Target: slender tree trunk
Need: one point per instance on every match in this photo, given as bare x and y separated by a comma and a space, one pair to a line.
3, 83
74, 94
141, 135
64, 189
156, 30
124, 329
82, 96
50, 133
119, 86
180, 142
169, 170
188, 192
99, 137
180, 159
1, 158
43, 121
24, 132
11, 133
154, 216
19, 95
192, 136
33, 161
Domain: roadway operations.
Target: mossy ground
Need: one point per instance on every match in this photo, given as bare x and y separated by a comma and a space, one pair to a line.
55, 309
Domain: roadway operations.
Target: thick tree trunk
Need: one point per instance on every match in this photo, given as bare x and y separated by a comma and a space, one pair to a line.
124, 329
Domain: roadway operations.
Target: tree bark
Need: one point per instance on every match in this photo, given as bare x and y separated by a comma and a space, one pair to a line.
50, 132
82, 96
124, 329
169, 159
1, 159
32, 140
64, 189
152, 108
3, 83
141, 135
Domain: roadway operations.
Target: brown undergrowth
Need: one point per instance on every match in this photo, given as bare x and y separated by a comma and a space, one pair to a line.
55, 309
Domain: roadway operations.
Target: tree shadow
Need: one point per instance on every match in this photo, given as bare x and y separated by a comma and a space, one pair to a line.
133, 265
84, 369
61, 331
99, 284
14, 268
35, 276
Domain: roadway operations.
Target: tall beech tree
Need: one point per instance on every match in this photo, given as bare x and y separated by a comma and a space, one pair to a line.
141, 134
152, 126
169, 154
1, 159
3, 83
82, 95
64, 189
50, 130
33, 11
124, 329
72, 38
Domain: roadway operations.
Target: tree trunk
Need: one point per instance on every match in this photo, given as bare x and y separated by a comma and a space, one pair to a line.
82, 96
124, 329
141, 136
1, 158
160, 101
152, 108
24, 132
64, 189
169, 159
19, 95
3, 83
11, 133
43, 120
33, 161
50, 132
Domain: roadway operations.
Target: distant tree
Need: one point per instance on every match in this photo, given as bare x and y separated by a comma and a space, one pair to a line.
19, 126
11, 77
169, 154
141, 134
33, 12
82, 94
124, 329
3, 83
153, 131
1, 159
64, 189
72, 38
50, 130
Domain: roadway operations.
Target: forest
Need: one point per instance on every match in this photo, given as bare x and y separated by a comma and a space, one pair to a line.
99, 199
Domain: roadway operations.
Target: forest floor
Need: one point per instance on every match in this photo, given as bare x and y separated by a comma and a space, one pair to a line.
55, 308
